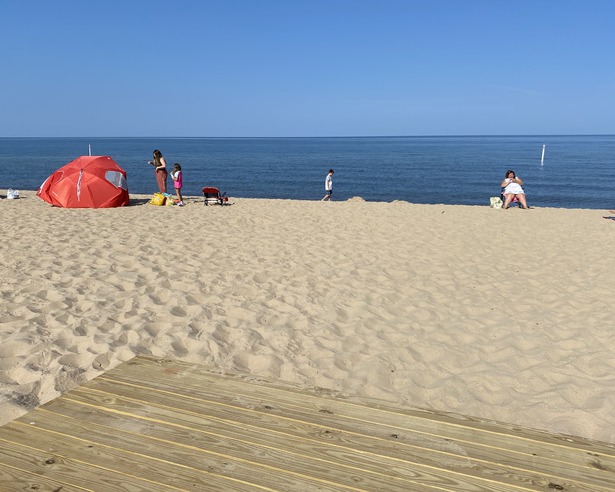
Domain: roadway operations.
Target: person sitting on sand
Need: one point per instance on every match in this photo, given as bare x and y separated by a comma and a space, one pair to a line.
513, 188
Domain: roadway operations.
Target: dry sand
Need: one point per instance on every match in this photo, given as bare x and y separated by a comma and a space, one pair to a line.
503, 315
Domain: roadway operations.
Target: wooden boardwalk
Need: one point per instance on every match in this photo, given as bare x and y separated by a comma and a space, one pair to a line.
161, 425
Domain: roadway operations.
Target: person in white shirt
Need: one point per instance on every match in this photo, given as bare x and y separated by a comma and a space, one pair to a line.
328, 186
513, 188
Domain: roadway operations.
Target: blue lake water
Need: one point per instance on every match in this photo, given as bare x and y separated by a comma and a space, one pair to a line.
577, 171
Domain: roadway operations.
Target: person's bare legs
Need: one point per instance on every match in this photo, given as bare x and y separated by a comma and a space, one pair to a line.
507, 199
180, 198
523, 202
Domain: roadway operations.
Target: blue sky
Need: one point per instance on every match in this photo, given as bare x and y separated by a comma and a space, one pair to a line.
210, 68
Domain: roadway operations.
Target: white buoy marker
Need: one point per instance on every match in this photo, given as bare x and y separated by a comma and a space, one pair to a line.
90, 150
542, 159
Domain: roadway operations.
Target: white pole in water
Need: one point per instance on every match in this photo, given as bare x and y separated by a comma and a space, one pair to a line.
542, 159
90, 149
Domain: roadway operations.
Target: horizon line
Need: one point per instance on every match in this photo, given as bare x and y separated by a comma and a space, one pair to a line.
333, 136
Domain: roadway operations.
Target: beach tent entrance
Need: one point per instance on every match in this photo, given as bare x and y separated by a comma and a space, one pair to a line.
87, 182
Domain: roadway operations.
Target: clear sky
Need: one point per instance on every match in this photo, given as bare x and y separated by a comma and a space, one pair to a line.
211, 68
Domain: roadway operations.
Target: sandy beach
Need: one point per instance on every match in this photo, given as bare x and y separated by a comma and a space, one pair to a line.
502, 315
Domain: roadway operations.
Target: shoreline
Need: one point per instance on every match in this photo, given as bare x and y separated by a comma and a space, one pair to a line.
141, 198
454, 308
398, 168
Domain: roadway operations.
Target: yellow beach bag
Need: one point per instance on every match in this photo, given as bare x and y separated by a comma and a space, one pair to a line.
158, 199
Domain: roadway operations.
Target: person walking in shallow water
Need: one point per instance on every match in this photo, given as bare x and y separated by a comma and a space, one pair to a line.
160, 168
328, 186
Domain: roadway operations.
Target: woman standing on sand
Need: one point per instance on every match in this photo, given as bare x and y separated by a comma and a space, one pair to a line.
160, 168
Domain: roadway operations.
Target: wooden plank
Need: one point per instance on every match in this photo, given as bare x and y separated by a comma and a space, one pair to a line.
154, 424
374, 451
50, 468
188, 378
552, 456
18, 479
271, 460
107, 467
395, 422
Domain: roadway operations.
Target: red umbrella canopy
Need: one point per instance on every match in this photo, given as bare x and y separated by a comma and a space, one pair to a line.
87, 182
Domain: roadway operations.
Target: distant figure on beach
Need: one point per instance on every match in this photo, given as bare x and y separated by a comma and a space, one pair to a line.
513, 188
160, 168
178, 180
328, 186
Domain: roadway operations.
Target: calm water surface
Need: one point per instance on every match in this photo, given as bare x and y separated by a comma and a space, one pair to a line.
577, 170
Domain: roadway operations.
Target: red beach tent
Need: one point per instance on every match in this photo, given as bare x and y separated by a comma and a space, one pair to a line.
87, 182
